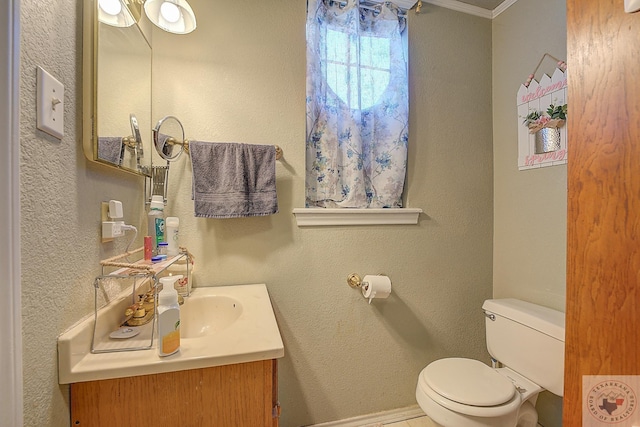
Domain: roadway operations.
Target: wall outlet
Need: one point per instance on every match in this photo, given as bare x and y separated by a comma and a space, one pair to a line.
104, 217
104, 211
112, 229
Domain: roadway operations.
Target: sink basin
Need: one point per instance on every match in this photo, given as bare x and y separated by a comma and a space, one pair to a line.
220, 325
207, 315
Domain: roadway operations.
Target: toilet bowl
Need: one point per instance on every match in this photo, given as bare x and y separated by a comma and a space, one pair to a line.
529, 341
468, 393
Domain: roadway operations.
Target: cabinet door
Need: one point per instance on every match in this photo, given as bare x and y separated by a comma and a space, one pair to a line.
275, 404
235, 395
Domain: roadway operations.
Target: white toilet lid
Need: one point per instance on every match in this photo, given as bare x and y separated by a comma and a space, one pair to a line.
468, 381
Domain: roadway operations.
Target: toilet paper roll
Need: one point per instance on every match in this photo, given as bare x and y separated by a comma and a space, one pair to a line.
376, 287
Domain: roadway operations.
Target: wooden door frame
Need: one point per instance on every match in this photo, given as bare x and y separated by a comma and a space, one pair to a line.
10, 303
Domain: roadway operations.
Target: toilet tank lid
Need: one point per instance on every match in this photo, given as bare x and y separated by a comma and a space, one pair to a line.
543, 319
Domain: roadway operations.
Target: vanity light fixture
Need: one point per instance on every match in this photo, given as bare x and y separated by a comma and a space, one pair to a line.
174, 16
114, 13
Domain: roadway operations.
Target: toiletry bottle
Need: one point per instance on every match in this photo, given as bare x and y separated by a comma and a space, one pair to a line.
171, 224
148, 248
155, 221
168, 317
162, 249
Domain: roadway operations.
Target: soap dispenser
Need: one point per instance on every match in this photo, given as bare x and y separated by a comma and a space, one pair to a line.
168, 317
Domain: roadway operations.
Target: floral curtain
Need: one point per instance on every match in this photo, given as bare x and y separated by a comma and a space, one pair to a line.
357, 104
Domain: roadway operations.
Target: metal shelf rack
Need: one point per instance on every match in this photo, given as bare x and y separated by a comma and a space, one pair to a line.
121, 288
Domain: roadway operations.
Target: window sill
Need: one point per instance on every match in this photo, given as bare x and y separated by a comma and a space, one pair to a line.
309, 217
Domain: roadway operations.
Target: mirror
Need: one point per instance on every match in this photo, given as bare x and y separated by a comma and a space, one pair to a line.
168, 134
169, 143
116, 93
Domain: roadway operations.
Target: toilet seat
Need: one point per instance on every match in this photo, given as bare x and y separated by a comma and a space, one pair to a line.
469, 387
469, 382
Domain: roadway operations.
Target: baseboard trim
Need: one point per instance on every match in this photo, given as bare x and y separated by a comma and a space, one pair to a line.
386, 417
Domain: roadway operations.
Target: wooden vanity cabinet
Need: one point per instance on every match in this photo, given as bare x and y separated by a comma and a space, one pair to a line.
240, 395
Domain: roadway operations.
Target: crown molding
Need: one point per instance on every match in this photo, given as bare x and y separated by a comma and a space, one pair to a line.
462, 7
502, 7
472, 10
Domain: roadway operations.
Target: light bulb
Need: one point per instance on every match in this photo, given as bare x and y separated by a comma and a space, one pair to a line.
170, 12
174, 16
111, 7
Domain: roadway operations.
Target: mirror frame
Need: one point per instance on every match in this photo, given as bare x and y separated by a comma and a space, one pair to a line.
160, 140
89, 88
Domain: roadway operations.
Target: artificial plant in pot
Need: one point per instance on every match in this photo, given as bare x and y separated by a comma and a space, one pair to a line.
546, 127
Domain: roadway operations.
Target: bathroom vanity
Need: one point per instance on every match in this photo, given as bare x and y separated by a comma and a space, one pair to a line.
238, 395
225, 373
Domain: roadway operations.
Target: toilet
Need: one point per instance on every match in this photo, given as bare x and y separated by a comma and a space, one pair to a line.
527, 342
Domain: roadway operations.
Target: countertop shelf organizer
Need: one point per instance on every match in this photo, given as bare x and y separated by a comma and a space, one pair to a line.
121, 285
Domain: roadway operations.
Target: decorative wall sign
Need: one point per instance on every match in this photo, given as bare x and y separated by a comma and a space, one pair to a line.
542, 110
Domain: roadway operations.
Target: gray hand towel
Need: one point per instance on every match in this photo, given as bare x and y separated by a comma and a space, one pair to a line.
110, 149
232, 180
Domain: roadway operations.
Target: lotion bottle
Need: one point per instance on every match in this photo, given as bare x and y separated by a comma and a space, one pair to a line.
168, 317
171, 227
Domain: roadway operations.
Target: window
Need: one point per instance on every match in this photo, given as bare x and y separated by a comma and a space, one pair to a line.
357, 105
358, 80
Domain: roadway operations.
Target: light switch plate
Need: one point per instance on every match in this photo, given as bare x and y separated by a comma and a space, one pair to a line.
50, 105
631, 6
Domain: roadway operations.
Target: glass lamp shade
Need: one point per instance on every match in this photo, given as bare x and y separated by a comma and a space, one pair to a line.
114, 13
174, 16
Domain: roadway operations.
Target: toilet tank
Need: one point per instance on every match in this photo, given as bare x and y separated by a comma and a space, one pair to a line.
527, 338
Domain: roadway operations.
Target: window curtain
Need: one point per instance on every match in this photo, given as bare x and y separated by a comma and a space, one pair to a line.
357, 105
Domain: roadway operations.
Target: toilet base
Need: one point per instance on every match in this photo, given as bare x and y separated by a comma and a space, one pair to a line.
526, 416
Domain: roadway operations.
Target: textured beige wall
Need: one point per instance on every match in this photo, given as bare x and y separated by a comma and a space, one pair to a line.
530, 207
246, 83
241, 77
60, 200
529, 249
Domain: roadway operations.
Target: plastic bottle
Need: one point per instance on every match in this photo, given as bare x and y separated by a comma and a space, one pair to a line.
162, 247
172, 224
184, 268
168, 317
155, 221
148, 248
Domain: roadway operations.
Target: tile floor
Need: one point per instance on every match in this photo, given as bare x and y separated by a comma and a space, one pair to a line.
414, 422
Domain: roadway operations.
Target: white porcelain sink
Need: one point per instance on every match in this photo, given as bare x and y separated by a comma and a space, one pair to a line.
219, 326
207, 315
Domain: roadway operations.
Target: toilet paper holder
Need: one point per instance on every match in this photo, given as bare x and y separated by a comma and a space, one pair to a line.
355, 281
372, 286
